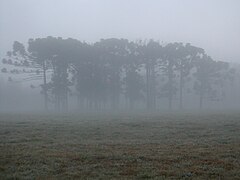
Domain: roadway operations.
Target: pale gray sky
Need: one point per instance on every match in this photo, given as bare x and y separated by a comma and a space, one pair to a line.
211, 24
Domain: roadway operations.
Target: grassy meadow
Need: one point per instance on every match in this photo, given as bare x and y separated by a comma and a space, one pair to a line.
126, 146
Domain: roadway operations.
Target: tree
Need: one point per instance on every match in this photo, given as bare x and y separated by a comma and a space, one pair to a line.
208, 72
91, 76
29, 60
61, 59
52, 53
150, 54
168, 67
41, 55
133, 80
185, 57
113, 52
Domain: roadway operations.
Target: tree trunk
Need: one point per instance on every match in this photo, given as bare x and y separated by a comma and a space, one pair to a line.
170, 87
131, 103
45, 86
151, 89
153, 86
201, 102
201, 96
181, 88
148, 84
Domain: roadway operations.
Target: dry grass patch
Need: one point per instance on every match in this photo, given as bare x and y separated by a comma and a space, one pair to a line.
182, 146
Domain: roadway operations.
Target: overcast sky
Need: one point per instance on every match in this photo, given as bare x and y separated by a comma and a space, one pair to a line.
211, 24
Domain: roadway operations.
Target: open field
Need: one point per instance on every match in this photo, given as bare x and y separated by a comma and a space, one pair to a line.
175, 146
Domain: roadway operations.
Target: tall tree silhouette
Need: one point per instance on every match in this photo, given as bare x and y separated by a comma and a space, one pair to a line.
41, 53
168, 66
150, 53
31, 61
185, 57
133, 80
114, 52
208, 72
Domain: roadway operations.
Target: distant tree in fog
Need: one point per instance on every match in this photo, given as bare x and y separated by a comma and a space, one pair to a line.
20, 57
168, 67
208, 73
185, 58
150, 54
133, 80
113, 52
41, 55
81, 63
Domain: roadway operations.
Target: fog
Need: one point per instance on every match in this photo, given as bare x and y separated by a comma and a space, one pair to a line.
213, 25
150, 28
119, 89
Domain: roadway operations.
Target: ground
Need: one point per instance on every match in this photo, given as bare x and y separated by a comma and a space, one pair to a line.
127, 146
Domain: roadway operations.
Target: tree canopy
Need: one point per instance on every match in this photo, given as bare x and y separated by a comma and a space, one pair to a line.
113, 73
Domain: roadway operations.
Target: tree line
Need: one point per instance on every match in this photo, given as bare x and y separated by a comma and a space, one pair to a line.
114, 73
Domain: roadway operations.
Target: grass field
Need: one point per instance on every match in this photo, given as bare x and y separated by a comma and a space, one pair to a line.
174, 146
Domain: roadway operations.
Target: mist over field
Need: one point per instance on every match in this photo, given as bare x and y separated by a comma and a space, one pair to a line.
119, 89
126, 47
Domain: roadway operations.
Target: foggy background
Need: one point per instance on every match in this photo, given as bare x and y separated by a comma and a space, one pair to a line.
119, 89
213, 25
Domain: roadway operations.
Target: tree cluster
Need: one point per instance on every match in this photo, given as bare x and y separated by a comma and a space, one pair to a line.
114, 73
